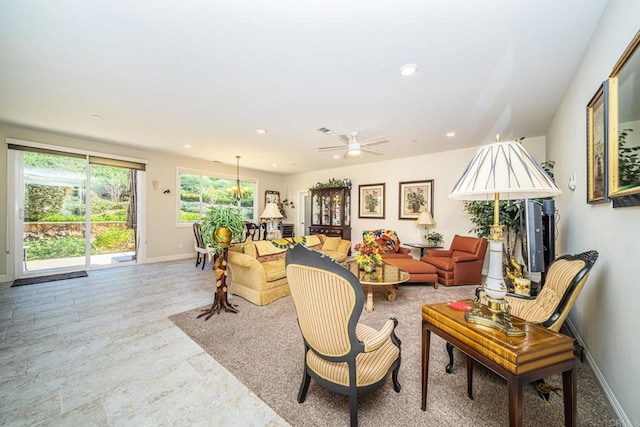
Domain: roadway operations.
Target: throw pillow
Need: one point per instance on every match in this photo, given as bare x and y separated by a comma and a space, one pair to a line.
331, 243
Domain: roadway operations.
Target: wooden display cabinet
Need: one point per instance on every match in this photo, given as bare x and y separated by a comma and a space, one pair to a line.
331, 212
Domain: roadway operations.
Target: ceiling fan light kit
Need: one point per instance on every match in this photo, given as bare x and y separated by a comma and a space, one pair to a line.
354, 147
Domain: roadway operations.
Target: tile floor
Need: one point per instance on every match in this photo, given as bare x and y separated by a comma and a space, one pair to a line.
101, 351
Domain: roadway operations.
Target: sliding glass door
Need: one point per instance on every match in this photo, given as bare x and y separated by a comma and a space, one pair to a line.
72, 211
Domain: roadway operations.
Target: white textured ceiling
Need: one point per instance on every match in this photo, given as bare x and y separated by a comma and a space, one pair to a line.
162, 74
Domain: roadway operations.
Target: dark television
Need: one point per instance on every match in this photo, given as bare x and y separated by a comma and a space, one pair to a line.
532, 236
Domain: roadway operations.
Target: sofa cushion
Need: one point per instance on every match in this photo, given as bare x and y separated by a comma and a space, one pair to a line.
250, 248
274, 270
465, 244
387, 240
335, 255
312, 241
267, 251
331, 243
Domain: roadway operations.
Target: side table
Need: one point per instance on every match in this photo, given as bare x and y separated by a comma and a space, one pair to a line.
422, 247
520, 360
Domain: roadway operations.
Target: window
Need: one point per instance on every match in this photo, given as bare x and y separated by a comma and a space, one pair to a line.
199, 192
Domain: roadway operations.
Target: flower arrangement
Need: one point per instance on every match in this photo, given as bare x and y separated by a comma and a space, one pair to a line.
435, 238
367, 254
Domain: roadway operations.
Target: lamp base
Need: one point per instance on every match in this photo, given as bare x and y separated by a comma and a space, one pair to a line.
497, 318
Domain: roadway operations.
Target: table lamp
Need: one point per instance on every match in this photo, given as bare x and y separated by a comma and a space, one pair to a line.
502, 170
271, 215
425, 220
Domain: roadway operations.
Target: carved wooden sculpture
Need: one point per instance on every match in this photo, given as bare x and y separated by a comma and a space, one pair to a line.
220, 300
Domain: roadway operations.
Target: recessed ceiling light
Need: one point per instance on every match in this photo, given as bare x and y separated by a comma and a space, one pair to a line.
95, 116
275, 165
261, 131
450, 134
187, 145
336, 156
408, 70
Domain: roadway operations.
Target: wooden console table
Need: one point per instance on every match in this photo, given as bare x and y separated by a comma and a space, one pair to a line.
521, 360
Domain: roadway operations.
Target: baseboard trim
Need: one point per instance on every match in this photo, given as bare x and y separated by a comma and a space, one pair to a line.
611, 397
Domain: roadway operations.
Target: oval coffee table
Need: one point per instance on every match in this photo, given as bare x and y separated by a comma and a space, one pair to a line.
387, 276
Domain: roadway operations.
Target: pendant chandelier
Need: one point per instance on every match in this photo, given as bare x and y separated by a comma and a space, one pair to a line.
238, 195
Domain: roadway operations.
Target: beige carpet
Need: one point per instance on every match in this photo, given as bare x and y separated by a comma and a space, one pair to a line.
263, 348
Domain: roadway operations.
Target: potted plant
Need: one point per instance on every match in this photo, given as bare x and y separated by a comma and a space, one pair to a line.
221, 226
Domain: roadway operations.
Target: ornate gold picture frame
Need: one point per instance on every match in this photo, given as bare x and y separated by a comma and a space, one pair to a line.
624, 127
597, 147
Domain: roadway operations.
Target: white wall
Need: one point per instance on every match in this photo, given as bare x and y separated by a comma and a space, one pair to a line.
606, 314
164, 236
444, 168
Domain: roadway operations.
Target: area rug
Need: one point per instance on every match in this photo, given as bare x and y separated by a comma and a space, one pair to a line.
49, 278
262, 347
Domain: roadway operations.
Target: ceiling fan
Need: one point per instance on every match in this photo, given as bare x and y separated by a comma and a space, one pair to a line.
354, 147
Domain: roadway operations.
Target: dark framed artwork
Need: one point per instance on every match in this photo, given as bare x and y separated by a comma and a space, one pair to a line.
597, 177
371, 201
415, 196
271, 196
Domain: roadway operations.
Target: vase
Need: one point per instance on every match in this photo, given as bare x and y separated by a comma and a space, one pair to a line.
368, 268
223, 236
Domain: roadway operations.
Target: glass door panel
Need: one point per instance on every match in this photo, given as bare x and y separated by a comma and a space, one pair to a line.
113, 220
54, 220
336, 208
326, 209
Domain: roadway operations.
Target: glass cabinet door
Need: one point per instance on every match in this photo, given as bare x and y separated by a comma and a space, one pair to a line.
315, 209
326, 208
336, 208
347, 209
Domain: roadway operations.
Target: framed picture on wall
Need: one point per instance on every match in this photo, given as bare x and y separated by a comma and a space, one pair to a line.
415, 196
597, 176
371, 201
271, 196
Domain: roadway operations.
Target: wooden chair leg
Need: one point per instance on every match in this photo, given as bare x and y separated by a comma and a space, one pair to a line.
449, 367
353, 409
304, 386
470, 377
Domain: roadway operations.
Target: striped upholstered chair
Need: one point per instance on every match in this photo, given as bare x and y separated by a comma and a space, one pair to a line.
341, 354
564, 282
565, 279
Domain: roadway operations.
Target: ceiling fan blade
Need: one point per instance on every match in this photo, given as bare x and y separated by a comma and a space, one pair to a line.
372, 150
344, 138
373, 141
334, 147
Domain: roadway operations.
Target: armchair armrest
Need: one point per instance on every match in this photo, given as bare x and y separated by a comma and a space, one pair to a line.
383, 334
464, 258
439, 252
480, 291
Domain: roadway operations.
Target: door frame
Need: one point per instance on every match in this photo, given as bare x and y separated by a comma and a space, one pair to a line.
15, 200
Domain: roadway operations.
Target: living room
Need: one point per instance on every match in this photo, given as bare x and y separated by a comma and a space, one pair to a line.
605, 309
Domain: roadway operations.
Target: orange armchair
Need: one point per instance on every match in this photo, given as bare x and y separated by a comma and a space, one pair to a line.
461, 264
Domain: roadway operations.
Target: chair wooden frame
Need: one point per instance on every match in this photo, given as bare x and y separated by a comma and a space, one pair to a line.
302, 261
202, 251
560, 313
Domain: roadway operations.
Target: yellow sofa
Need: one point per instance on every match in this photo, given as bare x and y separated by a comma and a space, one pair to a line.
258, 272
